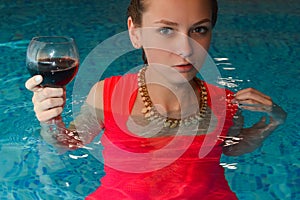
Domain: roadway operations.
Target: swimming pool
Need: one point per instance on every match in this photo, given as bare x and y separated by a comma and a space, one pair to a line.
260, 40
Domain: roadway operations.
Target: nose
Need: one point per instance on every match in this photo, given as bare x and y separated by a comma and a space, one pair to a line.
184, 47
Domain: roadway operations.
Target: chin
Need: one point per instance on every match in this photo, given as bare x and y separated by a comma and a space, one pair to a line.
181, 77
175, 74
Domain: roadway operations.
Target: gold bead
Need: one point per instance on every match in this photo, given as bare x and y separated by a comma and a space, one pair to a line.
167, 124
144, 110
198, 117
186, 122
174, 125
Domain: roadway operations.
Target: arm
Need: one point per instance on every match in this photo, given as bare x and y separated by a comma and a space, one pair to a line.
48, 105
249, 139
81, 131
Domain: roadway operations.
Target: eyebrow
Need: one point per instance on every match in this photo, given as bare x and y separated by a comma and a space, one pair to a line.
170, 23
166, 22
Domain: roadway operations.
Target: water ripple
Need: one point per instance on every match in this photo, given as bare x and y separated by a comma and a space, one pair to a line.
20, 44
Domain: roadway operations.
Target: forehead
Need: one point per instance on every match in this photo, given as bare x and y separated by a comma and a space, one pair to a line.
178, 10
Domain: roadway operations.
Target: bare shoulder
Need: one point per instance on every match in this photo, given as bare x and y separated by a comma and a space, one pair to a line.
95, 96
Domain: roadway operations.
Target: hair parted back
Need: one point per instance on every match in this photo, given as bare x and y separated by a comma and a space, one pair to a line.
136, 9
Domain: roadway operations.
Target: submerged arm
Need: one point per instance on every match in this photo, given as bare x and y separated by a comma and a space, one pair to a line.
245, 140
81, 131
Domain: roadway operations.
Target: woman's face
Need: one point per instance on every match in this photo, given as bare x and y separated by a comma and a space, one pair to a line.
177, 34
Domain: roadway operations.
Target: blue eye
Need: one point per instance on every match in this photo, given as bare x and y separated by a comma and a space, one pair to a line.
165, 31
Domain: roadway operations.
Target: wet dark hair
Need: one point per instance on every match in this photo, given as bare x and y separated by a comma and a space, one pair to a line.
136, 9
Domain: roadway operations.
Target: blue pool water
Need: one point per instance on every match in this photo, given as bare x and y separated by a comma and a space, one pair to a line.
260, 40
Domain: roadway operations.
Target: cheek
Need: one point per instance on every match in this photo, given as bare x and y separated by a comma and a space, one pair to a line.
204, 42
200, 51
158, 44
152, 40
156, 55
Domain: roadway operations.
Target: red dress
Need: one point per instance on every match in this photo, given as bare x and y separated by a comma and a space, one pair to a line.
160, 168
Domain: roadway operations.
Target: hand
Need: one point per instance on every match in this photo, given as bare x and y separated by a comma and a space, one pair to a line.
254, 100
251, 99
250, 138
48, 102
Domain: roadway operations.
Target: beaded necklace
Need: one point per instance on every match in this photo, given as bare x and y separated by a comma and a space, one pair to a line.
151, 113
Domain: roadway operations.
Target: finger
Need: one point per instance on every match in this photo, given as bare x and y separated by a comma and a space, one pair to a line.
49, 114
46, 93
49, 104
33, 84
253, 96
249, 92
254, 106
253, 91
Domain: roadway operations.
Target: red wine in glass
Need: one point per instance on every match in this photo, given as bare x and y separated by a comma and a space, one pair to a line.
55, 58
56, 72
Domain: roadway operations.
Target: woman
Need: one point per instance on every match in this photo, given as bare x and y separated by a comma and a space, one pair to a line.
164, 129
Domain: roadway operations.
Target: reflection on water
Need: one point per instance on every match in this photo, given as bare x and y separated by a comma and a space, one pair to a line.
229, 77
229, 165
20, 44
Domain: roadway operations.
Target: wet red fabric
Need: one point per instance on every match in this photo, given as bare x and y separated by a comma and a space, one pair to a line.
160, 168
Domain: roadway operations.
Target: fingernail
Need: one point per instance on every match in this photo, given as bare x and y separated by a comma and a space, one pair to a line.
234, 101
38, 78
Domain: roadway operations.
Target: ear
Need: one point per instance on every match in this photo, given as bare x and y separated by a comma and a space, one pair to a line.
134, 34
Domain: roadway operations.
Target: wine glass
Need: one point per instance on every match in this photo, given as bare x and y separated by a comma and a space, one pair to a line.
55, 58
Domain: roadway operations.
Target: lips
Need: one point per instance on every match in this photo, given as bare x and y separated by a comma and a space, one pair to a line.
183, 67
